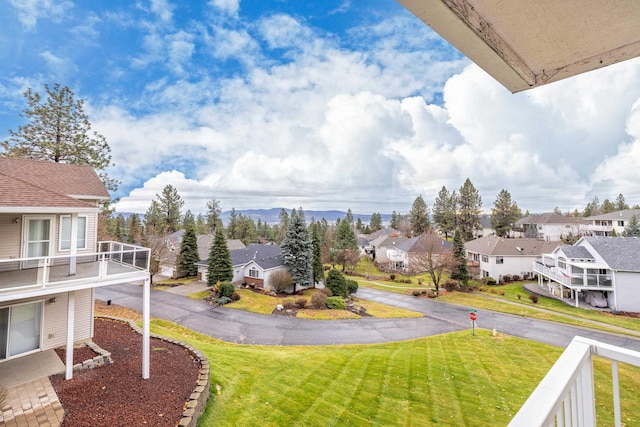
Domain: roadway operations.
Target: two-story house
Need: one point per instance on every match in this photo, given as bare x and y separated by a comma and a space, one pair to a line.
419, 253
51, 260
609, 266
551, 227
611, 223
498, 256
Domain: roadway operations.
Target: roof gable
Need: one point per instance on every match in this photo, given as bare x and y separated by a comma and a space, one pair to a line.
620, 253
499, 246
425, 242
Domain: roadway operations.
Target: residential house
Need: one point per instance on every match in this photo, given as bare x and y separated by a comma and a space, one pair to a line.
384, 248
413, 254
169, 250
550, 226
375, 238
252, 265
609, 266
498, 256
51, 260
485, 227
607, 224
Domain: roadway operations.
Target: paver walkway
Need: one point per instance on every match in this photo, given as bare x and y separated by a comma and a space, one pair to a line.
239, 326
32, 404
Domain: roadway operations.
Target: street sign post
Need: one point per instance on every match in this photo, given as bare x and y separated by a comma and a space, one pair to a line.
473, 316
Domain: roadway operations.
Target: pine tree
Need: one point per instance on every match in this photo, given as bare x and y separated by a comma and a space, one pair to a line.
469, 204
245, 229
170, 204
153, 219
189, 255
283, 225
232, 228
620, 203
318, 269
444, 211
345, 247
419, 213
213, 216
460, 271
607, 206
375, 223
349, 217
219, 268
188, 220
395, 220
134, 234
297, 250
504, 214
633, 227
59, 131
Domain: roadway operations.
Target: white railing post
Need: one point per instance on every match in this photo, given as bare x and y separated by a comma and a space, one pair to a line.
616, 394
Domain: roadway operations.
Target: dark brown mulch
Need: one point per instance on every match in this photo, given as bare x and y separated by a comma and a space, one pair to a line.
79, 354
116, 395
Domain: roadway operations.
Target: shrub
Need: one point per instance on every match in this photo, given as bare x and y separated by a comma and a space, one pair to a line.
352, 286
319, 300
235, 296
392, 277
507, 278
420, 280
337, 283
450, 285
226, 290
223, 300
423, 292
336, 303
519, 296
416, 293
408, 281
280, 281
501, 291
301, 302
482, 288
515, 278
288, 304
533, 298
327, 292
493, 291
491, 281
431, 294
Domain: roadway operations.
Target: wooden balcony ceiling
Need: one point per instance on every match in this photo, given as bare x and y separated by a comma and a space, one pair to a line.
525, 44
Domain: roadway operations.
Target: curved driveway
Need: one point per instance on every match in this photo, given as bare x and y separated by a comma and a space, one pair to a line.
243, 327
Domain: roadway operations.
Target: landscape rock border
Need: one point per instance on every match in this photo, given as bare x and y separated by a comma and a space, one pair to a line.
197, 402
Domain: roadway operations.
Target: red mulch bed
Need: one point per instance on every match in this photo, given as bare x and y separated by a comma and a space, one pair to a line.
79, 354
116, 395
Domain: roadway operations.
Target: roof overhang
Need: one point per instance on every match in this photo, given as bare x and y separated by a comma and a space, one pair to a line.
47, 209
525, 44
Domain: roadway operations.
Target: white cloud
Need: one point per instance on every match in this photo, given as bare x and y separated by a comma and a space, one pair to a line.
163, 10
29, 11
229, 7
283, 31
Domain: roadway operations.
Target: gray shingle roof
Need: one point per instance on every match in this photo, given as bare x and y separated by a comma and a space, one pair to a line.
499, 246
266, 256
576, 252
549, 218
623, 215
620, 253
426, 242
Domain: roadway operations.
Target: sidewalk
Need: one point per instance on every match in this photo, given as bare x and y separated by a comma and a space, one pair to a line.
189, 288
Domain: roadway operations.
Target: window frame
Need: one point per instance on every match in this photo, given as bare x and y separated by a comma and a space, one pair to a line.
61, 231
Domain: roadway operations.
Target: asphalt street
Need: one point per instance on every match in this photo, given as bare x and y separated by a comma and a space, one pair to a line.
239, 326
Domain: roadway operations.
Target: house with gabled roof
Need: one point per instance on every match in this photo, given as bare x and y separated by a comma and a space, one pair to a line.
550, 227
609, 266
411, 255
51, 261
611, 223
498, 256
252, 265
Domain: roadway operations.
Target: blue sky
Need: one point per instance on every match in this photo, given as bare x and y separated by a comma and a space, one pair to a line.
324, 105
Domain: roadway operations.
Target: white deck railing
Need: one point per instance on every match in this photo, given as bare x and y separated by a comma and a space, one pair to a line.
565, 396
112, 259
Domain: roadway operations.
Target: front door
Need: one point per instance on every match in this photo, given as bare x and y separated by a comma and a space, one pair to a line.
20, 329
37, 240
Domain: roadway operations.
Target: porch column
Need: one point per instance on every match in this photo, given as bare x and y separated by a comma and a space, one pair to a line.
577, 295
146, 304
73, 250
71, 304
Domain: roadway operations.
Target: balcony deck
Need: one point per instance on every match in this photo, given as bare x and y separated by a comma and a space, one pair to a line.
114, 263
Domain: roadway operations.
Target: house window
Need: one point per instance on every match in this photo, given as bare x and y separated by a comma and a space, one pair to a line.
485, 258
253, 273
65, 233
562, 263
499, 260
620, 223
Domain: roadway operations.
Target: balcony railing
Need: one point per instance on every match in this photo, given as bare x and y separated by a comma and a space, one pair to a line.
574, 280
565, 396
113, 260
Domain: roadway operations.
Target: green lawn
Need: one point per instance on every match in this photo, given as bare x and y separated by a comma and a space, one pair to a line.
452, 380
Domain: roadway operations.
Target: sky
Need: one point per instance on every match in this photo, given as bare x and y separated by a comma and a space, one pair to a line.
322, 105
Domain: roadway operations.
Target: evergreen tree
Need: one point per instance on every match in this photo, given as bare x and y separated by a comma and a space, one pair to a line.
283, 226
419, 216
170, 204
607, 206
556, 210
120, 228
213, 216
219, 268
633, 227
232, 228
359, 225
189, 220
153, 219
620, 203
349, 217
245, 229
59, 131
189, 255
134, 234
469, 205
504, 214
444, 211
460, 271
345, 247
375, 223
201, 226
316, 244
592, 208
395, 220
297, 250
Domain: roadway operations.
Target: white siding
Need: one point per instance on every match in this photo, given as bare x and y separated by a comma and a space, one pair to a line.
511, 265
54, 332
10, 241
627, 289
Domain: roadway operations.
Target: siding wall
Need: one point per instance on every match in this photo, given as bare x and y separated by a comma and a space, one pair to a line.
10, 240
627, 291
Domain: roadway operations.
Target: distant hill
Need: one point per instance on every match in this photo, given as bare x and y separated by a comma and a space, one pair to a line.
272, 216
